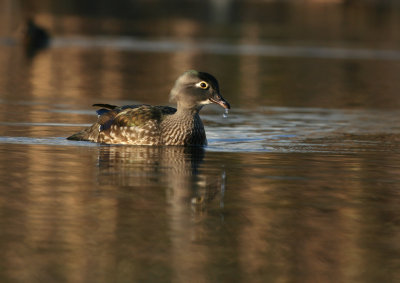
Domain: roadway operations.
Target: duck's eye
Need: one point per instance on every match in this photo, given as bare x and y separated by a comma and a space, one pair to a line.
203, 85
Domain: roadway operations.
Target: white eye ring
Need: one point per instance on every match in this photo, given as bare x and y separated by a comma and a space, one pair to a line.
202, 85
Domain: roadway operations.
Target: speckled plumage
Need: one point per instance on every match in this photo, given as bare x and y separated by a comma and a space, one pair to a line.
158, 125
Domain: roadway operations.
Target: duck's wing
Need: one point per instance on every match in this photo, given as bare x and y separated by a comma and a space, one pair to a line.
166, 110
133, 125
111, 118
105, 115
132, 116
107, 106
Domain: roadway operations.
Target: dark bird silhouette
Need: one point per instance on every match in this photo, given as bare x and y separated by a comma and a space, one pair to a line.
35, 38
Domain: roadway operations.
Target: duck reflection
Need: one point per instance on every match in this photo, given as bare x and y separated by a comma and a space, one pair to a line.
167, 187
173, 167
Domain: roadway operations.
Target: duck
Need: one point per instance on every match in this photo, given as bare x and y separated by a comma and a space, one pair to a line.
159, 125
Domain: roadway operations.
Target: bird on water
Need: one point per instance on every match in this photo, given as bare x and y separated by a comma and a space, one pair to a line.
159, 125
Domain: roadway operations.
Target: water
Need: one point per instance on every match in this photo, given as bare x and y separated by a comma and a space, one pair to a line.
299, 183
226, 112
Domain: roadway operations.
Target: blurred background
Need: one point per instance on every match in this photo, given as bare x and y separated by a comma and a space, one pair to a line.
313, 53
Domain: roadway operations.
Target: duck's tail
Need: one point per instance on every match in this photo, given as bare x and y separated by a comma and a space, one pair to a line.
105, 118
89, 134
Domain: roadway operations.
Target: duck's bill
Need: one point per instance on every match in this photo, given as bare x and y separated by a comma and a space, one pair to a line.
221, 102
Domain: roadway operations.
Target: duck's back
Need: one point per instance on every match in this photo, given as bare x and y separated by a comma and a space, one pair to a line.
129, 124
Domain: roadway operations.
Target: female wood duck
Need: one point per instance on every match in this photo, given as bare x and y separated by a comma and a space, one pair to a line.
159, 125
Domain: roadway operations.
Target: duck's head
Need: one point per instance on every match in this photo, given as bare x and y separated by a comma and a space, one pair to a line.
193, 90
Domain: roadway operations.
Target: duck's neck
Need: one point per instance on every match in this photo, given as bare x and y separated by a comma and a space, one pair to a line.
185, 117
184, 128
183, 110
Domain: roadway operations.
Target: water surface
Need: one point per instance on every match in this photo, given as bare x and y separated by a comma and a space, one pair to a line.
299, 183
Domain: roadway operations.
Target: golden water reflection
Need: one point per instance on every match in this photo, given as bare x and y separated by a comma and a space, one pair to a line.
140, 214
113, 213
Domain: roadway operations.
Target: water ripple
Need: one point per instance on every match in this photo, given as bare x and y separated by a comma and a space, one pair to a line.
266, 129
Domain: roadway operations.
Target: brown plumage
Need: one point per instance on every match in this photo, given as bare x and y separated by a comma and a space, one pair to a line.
158, 125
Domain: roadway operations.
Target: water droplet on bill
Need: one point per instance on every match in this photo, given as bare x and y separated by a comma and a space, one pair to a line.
225, 115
